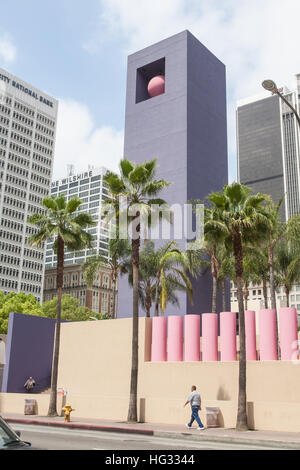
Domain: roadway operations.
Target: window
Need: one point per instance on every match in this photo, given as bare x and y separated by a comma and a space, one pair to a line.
96, 185
96, 178
73, 191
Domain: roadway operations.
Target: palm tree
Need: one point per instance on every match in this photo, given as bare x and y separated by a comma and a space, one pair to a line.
213, 240
224, 256
276, 231
260, 268
60, 221
149, 263
170, 261
134, 197
241, 217
119, 252
287, 266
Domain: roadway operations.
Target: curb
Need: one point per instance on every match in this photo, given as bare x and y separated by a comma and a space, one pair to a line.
163, 434
86, 427
230, 440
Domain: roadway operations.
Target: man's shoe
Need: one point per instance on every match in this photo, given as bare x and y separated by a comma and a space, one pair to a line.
189, 427
201, 429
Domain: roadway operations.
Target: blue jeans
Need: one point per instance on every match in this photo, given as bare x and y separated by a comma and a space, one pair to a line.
195, 417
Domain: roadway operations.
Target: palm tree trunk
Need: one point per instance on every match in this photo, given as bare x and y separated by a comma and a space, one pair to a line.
156, 313
132, 411
224, 303
242, 422
214, 295
60, 279
273, 292
287, 293
272, 280
214, 267
114, 283
246, 295
148, 300
265, 291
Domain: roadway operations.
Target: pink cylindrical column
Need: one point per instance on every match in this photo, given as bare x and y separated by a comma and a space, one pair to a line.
209, 337
268, 335
159, 339
250, 327
192, 338
288, 328
228, 336
175, 339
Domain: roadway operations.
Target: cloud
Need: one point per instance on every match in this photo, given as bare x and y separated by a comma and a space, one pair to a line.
81, 143
8, 50
256, 40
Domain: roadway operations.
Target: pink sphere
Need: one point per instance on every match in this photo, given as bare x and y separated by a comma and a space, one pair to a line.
156, 86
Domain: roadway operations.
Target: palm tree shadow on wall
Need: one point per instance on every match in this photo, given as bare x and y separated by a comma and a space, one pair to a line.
222, 395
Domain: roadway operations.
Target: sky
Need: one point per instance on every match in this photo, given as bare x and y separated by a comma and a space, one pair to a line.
77, 51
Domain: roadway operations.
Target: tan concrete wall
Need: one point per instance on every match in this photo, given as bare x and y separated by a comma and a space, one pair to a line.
15, 402
95, 364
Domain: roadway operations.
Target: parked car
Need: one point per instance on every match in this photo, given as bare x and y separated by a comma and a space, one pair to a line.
10, 439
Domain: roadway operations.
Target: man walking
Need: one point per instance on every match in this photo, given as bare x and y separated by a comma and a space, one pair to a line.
195, 401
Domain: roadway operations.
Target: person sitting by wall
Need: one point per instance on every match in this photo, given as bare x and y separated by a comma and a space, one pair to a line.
29, 385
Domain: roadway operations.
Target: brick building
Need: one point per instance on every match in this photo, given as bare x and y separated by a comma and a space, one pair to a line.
98, 298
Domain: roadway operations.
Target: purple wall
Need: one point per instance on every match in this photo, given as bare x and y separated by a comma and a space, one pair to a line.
29, 349
186, 130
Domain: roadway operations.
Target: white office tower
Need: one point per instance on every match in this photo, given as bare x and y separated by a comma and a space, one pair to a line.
27, 139
91, 189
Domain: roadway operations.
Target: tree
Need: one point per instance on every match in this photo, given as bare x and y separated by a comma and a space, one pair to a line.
71, 310
170, 262
134, 196
287, 266
61, 222
224, 257
153, 265
213, 240
119, 252
275, 232
18, 303
243, 218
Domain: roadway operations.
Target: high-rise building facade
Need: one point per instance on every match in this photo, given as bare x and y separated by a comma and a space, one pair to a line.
176, 112
27, 140
92, 190
268, 148
269, 162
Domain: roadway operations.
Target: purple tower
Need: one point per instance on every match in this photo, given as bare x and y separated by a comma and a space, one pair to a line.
180, 119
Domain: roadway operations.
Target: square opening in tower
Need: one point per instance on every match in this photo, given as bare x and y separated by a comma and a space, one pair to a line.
150, 80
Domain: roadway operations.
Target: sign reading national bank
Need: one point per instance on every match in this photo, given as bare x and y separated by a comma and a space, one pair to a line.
26, 90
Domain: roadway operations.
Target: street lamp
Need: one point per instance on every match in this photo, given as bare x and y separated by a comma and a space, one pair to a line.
271, 86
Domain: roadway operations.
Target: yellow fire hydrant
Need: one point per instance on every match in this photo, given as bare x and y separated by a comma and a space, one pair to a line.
67, 410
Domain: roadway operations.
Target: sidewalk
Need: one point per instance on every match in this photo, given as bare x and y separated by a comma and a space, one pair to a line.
276, 440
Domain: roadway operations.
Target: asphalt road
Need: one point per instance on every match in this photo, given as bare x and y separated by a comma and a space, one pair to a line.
45, 438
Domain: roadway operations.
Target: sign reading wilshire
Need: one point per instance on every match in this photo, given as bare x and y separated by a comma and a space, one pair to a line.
28, 91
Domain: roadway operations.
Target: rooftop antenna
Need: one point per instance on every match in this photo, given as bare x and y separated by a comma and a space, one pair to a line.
70, 170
